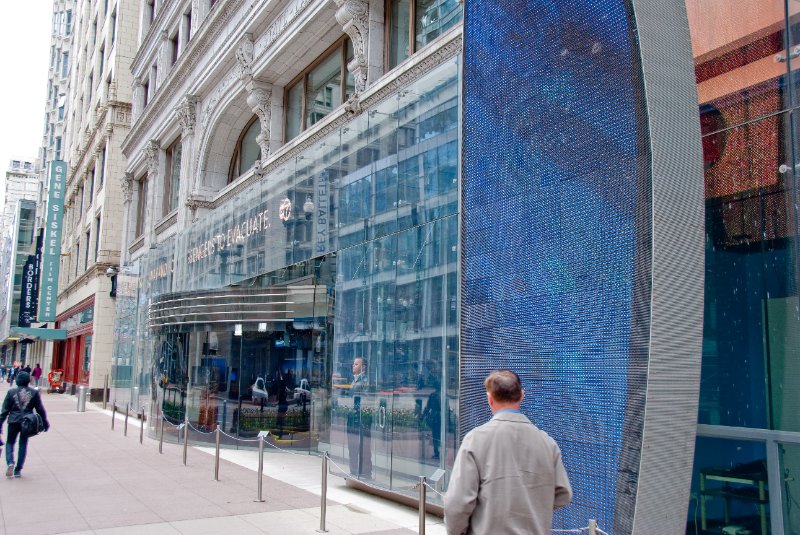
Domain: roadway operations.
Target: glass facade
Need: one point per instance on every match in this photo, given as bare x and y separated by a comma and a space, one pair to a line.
746, 455
251, 319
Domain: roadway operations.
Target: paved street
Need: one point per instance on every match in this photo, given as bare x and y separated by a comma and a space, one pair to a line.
82, 477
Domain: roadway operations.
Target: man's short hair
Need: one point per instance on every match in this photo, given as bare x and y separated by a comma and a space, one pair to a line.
363, 361
504, 386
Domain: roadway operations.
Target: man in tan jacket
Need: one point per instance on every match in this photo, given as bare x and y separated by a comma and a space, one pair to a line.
508, 477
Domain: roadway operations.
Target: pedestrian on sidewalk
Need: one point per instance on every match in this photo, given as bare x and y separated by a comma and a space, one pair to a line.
508, 476
19, 401
37, 375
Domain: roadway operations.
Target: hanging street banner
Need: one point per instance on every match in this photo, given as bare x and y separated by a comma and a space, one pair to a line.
51, 251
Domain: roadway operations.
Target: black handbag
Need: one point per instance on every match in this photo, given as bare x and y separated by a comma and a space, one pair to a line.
32, 423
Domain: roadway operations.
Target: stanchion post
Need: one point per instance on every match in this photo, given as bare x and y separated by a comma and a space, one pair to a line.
161, 435
216, 458
323, 504
141, 429
185, 438
113, 415
260, 469
422, 498
592, 527
127, 410
105, 392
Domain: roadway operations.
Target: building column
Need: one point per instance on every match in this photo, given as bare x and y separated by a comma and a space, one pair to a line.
152, 153
127, 207
138, 100
187, 116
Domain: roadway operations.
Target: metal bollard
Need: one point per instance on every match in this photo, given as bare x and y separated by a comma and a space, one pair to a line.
127, 409
105, 392
113, 415
141, 430
422, 497
260, 469
216, 459
592, 527
323, 505
185, 438
161, 436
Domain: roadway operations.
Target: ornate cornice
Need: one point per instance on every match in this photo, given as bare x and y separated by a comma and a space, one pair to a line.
166, 223
187, 115
353, 15
112, 113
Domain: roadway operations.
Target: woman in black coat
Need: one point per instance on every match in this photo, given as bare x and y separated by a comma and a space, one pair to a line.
19, 401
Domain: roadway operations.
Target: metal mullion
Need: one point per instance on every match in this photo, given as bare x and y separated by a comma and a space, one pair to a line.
775, 486
412, 27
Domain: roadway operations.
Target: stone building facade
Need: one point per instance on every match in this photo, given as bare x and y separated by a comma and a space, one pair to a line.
98, 96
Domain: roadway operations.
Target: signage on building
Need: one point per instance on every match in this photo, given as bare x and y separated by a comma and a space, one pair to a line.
235, 234
51, 250
29, 296
27, 308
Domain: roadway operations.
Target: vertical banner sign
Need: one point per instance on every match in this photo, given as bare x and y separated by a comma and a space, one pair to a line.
27, 308
51, 251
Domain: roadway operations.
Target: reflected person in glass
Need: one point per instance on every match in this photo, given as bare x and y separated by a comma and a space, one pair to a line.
358, 424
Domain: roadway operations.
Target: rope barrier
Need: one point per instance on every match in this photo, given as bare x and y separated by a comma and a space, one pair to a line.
200, 430
433, 489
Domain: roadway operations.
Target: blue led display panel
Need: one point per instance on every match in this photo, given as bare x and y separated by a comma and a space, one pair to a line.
556, 234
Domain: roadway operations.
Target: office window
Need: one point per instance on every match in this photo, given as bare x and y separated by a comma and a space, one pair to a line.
113, 27
105, 7
102, 176
58, 148
150, 10
173, 43
141, 205
77, 256
91, 87
146, 92
247, 150
172, 178
187, 26
94, 31
87, 241
412, 24
97, 222
80, 197
68, 21
319, 89
102, 60
91, 185
52, 56
64, 64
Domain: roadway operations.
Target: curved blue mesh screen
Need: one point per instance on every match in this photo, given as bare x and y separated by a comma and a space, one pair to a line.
556, 234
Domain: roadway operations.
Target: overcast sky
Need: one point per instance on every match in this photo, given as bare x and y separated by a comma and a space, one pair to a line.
25, 42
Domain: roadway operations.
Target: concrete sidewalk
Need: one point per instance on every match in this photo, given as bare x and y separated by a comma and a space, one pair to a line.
81, 477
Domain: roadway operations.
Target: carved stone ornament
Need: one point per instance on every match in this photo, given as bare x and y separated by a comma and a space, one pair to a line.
259, 99
353, 15
151, 151
244, 56
186, 112
353, 105
127, 187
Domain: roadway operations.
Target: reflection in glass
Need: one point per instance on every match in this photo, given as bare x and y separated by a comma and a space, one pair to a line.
730, 487
324, 88
294, 110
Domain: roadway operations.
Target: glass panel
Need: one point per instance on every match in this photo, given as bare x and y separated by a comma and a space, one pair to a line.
729, 488
434, 17
735, 49
751, 321
87, 360
399, 45
250, 151
294, 110
324, 88
790, 475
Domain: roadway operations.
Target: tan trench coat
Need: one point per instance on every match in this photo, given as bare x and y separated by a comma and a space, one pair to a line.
508, 479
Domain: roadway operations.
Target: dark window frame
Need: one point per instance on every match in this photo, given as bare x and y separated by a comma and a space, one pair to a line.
234, 168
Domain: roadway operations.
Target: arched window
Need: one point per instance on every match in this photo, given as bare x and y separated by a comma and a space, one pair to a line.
247, 150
